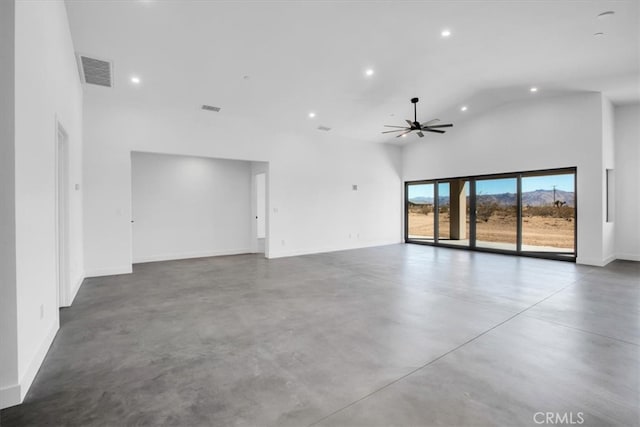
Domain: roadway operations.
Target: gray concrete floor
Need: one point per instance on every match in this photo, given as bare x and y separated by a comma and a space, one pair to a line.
394, 335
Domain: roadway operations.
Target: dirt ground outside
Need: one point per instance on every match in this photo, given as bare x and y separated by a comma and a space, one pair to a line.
536, 230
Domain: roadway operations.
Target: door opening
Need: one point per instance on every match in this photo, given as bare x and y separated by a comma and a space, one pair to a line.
62, 216
261, 211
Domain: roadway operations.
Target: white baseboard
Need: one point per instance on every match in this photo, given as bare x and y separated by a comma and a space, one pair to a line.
607, 260
76, 288
260, 244
588, 261
189, 255
108, 271
15, 394
595, 262
283, 254
10, 396
628, 257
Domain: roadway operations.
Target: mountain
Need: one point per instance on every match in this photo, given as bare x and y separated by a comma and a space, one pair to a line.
545, 198
529, 198
506, 199
422, 200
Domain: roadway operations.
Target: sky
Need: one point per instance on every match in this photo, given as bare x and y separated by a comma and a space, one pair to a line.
500, 186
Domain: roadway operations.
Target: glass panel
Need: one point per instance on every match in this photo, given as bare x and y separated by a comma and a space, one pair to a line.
548, 213
444, 205
453, 202
496, 213
467, 190
420, 217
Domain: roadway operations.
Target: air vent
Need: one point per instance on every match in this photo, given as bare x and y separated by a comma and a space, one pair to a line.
324, 128
96, 71
211, 108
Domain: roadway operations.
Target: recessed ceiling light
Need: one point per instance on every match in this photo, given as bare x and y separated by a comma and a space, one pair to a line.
598, 34
463, 108
533, 89
404, 136
135, 79
312, 115
369, 72
606, 14
445, 33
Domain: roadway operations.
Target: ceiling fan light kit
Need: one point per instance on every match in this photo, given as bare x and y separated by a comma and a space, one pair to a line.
429, 126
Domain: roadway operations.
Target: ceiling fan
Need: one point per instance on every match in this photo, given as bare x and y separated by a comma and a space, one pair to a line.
429, 126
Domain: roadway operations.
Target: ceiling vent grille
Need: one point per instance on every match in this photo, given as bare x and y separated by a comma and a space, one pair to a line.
324, 128
211, 108
95, 71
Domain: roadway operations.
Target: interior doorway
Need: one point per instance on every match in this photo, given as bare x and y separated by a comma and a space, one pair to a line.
261, 210
62, 215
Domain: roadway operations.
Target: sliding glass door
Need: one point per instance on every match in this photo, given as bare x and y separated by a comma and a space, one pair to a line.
527, 213
549, 213
420, 212
444, 210
453, 208
497, 213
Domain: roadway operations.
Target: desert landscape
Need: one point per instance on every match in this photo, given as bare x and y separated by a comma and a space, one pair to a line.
548, 226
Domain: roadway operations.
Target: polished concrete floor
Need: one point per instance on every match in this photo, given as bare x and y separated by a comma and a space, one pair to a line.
394, 335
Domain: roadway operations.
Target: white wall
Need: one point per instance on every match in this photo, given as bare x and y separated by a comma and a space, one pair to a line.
8, 298
627, 161
543, 133
312, 206
187, 207
47, 88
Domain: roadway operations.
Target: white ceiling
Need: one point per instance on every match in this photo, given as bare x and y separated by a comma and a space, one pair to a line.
307, 56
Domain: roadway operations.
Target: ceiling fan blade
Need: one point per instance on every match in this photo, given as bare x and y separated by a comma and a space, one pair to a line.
430, 122
439, 126
433, 130
410, 122
404, 133
389, 126
398, 130
420, 134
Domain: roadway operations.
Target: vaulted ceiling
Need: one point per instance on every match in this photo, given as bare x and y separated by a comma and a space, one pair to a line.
271, 63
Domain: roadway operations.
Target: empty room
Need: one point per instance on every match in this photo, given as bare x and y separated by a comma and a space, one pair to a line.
319, 213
